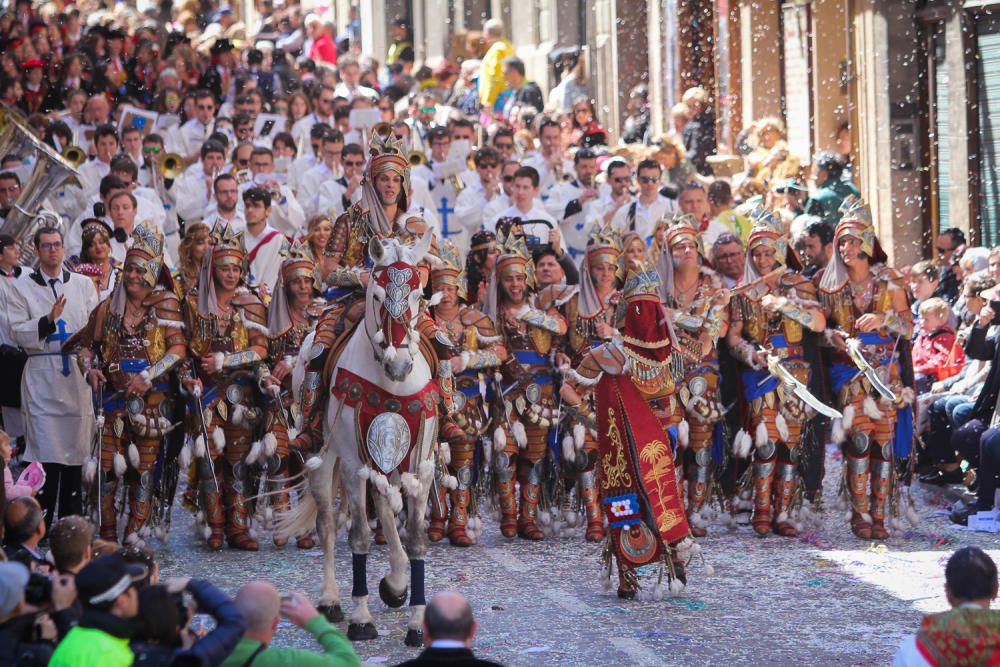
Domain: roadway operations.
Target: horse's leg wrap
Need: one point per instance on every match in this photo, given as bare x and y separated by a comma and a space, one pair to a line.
359, 565
417, 583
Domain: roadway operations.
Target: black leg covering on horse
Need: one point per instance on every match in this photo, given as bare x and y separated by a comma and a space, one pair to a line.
417, 583
360, 566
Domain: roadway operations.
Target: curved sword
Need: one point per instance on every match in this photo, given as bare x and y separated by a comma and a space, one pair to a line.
854, 350
793, 384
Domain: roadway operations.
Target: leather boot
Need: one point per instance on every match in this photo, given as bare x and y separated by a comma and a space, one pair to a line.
109, 521
459, 518
237, 511
784, 492
435, 531
763, 475
508, 499
527, 522
140, 497
211, 504
592, 506
857, 487
699, 479
881, 474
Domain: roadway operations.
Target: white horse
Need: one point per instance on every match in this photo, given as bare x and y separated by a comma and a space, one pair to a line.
384, 351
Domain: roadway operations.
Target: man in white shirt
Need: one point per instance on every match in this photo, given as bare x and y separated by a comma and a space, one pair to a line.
151, 210
309, 157
550, 163
503, 200
194, 187
227, 198
646, 208
327, 168
187, 139
693, 201
286, 215
122, 209
322, 102
92, 171
445, 175
336, 196
619, 175
264, 243
527, 207
577, 202
350, 80
131, 143
475, 198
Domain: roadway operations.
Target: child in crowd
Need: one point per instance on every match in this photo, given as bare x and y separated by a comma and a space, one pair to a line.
934, 349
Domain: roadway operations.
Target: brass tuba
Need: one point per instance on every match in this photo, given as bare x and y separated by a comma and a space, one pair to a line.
51, 169
170, 166
416, 158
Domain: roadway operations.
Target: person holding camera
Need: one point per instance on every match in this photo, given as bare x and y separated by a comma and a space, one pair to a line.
34, 612
165, 614
263, 607
107, 591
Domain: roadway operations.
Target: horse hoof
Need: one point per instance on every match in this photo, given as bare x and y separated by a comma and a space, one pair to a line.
332, 612
360, 632
414, 638
392, 600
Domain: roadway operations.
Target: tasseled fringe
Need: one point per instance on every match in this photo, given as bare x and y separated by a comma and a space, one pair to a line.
445, 452
390, 353
782, 426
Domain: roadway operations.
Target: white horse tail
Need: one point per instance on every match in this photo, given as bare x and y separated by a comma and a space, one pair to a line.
299, 520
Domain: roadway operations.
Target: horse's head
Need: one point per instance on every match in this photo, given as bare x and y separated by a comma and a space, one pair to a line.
393, 304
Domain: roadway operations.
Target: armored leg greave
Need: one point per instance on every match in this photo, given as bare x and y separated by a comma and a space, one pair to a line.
881, 474
858, 453
763, 476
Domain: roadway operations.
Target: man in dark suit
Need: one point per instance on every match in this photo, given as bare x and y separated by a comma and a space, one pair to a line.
449, 629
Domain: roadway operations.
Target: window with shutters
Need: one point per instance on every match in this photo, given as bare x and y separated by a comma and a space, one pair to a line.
987, 64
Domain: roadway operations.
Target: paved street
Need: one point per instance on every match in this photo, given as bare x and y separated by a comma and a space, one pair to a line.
822, 599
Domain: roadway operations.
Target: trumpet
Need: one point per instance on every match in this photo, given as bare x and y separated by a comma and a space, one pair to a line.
416, 158
74, 155
170, 166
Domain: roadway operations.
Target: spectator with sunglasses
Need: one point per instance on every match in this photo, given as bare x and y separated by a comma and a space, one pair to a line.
648, 206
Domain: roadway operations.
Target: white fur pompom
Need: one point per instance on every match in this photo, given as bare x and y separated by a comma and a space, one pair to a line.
313, 462
395, 499
871, 409
866, 517
848, 417
206, 532
449, 482
254, 454
390, 353
782, 426
683, 433
567, 448
218, 440
709, 570
520, 436
239, 414
133, 455
381, 483
837, 434
411, 485
445, 450
579, 434
90, 470
676, 587
199, 446
378, 338
120, 465
365, 472
742, 444
219, 359
435, 298
270, 444
761, 437
499, 440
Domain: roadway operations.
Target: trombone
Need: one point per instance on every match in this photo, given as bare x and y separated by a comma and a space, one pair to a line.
167, 168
